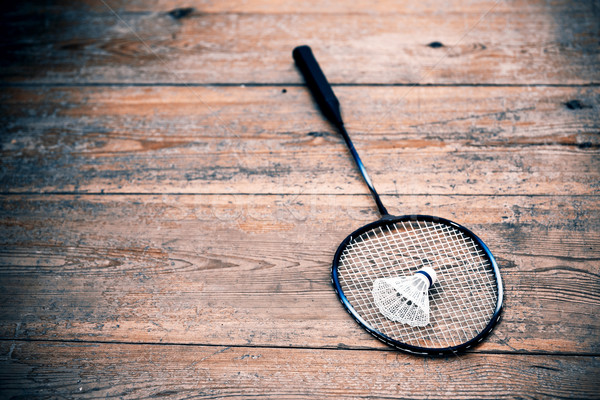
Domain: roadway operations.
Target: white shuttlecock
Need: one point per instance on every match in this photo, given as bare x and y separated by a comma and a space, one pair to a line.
405, 299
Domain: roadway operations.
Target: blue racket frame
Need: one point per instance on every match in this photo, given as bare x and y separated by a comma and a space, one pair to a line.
389, 220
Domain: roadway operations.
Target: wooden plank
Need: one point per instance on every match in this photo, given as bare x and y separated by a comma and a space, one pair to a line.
481, 44
305, 7
254, 270
426, 140
137, 371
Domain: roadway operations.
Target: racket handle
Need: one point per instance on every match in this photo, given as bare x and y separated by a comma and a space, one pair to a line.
318, 85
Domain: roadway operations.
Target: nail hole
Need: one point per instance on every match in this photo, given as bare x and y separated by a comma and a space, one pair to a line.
179, 13
575, 105
435, 45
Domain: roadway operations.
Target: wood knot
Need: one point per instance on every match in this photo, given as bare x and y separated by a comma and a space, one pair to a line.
575, 105
435, 45
179, 13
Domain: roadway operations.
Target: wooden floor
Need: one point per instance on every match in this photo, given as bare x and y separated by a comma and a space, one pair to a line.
171, 198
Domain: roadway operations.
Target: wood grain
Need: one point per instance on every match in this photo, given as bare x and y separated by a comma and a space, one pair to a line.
139, 371
171, 199
513, 44
254, 270
305, 7
426, 140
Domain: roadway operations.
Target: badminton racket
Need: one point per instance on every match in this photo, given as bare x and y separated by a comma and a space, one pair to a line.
465, 297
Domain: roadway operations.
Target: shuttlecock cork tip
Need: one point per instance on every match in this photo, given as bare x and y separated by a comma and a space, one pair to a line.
429, 273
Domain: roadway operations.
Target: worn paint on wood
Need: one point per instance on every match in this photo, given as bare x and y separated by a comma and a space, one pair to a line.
141, 371
254, 269
433, 140
218, 44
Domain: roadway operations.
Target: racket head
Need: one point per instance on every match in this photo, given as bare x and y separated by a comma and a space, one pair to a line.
397, 246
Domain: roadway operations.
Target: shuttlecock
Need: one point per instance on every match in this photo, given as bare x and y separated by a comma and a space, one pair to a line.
405, 299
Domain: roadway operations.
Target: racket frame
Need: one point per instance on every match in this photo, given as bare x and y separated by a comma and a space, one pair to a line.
389, 220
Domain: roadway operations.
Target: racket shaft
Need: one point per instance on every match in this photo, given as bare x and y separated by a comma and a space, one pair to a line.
330, 107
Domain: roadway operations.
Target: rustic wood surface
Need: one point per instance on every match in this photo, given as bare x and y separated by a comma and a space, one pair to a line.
171, 199
485, 42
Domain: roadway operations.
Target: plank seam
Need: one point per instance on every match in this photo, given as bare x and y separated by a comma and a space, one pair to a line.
242, 346
68, 193
289, 84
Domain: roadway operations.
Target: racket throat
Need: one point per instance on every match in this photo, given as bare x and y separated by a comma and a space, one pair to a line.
330, 107
363, 171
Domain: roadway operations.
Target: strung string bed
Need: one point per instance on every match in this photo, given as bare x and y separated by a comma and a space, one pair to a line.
463, 300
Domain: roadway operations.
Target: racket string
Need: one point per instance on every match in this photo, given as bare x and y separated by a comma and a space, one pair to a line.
461, 303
